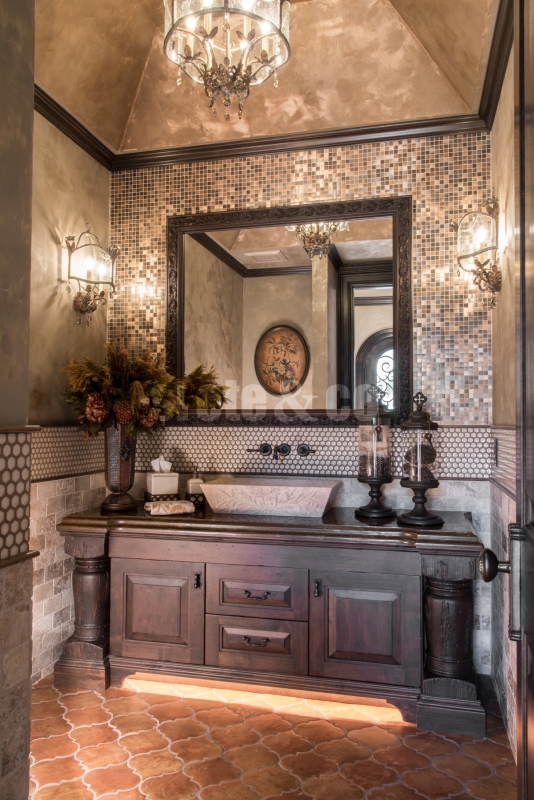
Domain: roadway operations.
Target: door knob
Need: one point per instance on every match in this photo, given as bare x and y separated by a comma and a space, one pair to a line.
489, 565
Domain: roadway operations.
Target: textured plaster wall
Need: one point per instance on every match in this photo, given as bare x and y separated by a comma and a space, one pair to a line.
504, 316
269, 301
69, 189
213, 311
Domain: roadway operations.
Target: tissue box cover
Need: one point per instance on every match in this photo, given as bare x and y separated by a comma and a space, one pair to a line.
162, 482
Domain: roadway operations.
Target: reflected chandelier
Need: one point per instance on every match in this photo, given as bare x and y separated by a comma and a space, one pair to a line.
316, 237
227, 45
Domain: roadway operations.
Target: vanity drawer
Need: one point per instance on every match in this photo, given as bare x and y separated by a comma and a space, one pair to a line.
259, 644
267, 592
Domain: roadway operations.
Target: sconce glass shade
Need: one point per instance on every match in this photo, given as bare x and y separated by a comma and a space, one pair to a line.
227, 45
477, 234
89, 262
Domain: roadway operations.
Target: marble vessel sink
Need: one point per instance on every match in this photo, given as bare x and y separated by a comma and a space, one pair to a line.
276, 495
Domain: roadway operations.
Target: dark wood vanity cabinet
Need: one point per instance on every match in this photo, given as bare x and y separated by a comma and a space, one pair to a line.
329, 605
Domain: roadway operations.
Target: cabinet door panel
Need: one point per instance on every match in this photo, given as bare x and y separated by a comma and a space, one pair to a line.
156, 611
269, 592
366, 627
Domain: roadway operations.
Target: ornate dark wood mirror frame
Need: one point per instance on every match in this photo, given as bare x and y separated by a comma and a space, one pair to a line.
398, 208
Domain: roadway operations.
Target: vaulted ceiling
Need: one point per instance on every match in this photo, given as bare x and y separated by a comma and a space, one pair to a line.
354, 63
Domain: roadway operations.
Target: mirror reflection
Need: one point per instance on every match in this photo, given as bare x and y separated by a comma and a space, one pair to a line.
289, 321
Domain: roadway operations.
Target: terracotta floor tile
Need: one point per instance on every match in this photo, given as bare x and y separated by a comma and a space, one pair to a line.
81, 700
298, 795
234, 736
144, 742
50, 708
308, 765
133, 794
218, 718
247, 711
430, 744
133, 723
319, 731
54, 726
199, 704
102, 755
432, 784
500, 736
148, 765
333, 787
268, 723
507, 771
351, 724
342, 751
368, 774
118, 691
168, 711
95, 734
169, 787
153, 699
396, 792
67, 791
54, 747
33, 786
60, 769
211, 772
182, 729
489, 752
269, 780
196, 749
230, 791
253, 756
111, 779
87, 716
287, 743
493, 788
374, 738
46, 693
401, 758
461, 767
125, 705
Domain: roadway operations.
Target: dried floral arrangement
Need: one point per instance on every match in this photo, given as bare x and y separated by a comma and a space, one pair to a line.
139, 394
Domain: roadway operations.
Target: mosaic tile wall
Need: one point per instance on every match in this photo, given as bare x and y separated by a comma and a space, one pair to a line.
15, 465
503, 472
59, 452
446, 176
504, 651
53, 605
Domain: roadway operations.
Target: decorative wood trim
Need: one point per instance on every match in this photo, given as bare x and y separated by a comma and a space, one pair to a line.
9, 562
398, 208
71, 127
20, 429
334, 258
227, 258
501, 47
289, 418
373, 301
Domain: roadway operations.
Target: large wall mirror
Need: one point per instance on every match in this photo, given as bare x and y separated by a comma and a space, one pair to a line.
289, 331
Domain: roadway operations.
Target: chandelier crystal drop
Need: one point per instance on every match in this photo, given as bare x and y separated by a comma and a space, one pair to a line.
228, 46
316, 237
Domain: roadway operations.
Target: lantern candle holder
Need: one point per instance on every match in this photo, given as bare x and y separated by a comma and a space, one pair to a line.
374, 457
420, 467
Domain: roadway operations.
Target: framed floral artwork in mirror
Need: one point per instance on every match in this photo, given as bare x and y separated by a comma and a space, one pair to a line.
282, 360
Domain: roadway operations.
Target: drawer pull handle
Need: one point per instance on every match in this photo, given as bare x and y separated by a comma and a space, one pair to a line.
196, 581
249, 595
317, 590
248, 641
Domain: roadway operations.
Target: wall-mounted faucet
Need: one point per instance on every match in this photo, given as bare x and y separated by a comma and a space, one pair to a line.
281, 451
263, 449
305, 450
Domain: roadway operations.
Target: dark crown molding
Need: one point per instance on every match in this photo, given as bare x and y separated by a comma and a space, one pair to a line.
501, 46
227, 258
71, 127
338, 137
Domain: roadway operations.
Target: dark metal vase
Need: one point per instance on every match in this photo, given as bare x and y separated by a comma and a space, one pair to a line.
120, 470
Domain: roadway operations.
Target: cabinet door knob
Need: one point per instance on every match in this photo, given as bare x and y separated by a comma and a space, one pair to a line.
248, 641
248, 594
196, 580
317, 590
489, 565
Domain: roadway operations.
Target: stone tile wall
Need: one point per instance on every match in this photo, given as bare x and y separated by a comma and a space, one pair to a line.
53, 609
15, 657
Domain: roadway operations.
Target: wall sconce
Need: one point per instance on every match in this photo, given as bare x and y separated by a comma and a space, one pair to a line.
92, 267
476, 236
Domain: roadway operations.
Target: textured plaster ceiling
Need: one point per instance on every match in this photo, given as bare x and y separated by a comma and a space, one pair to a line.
275, 247
354, 62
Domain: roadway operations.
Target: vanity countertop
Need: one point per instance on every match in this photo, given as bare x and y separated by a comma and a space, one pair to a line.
338, 527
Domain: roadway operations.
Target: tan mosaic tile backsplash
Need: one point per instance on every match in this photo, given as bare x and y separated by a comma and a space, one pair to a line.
445, 176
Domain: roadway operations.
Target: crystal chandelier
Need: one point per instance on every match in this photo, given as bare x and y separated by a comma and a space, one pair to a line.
316, 237
227, 46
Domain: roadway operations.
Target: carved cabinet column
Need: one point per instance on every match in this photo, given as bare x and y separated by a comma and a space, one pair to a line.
448, 615
85, 655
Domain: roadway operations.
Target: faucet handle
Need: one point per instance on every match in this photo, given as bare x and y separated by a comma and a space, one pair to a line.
305, 450
264, 449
